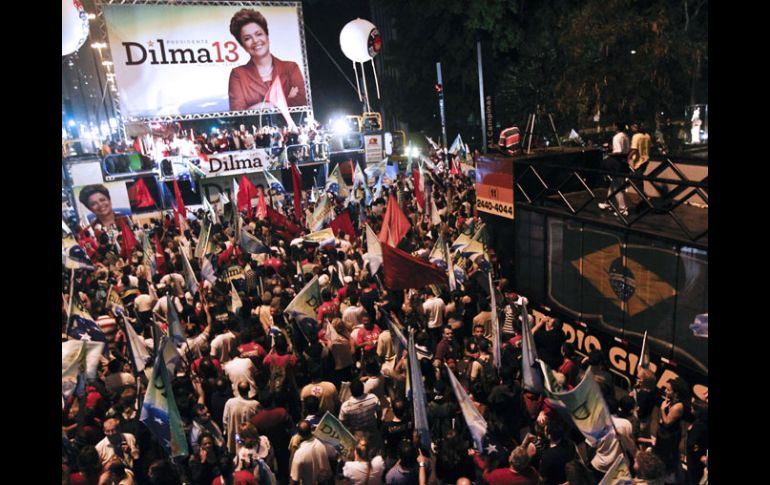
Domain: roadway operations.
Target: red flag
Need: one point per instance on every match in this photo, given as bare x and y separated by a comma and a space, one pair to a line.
418, 192
395, 225
343, 223
261, 205
138, 146
160, 256
296, 180
279, 220
246, 192
179, 202
454, 169
129, 239
276, 96
139, 195
402, 270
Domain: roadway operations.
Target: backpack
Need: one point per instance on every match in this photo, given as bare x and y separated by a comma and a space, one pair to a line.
464, 367
279, 380
264, 474
488, 378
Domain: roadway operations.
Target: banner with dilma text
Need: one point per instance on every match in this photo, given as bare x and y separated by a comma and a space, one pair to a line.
331, 430
181, 61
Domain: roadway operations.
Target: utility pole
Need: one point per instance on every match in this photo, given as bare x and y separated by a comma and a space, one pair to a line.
481, 100
440, 90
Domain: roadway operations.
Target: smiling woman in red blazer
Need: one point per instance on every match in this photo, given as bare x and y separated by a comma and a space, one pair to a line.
250, 83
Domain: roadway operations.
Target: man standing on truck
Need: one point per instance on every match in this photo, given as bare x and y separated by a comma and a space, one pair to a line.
617, 163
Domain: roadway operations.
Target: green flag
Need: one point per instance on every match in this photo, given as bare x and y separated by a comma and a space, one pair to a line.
203, 239
331, 430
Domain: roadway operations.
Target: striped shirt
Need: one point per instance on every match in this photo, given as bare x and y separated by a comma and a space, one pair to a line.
360, 414
510, 315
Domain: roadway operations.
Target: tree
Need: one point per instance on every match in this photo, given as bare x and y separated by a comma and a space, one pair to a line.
626, 59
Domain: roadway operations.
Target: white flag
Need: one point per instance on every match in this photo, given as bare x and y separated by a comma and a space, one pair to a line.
235, 299
374, 249
435, 218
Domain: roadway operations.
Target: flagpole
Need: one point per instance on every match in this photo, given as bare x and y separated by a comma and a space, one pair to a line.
71, 302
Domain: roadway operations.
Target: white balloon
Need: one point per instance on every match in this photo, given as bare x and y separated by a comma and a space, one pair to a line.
360, 40
74, 26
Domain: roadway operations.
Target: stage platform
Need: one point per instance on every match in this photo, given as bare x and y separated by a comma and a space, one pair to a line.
694, 220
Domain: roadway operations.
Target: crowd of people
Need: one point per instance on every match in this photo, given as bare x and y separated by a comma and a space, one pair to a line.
251, 383
191, 143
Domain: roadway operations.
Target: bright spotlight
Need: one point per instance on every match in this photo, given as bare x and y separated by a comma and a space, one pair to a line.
341, 126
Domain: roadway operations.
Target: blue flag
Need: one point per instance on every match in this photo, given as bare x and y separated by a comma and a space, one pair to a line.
391, 171
700, 327
159, 411
336, 184
457, 145
396, 331
148, 253
274, 183
190, 276
418, 397
532, 378
586, 406
174, 325
495, 325
251, 243
165, 195
473, 418
378, 186
83, 326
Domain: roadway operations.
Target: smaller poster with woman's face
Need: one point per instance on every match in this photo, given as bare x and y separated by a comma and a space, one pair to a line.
102, 203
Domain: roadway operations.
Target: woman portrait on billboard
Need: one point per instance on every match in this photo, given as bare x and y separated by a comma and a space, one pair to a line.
250, 83
97, 199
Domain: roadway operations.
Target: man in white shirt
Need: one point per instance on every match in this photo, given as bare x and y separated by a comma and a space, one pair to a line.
310, 463
176, 281
161, 307
242, 370
116, 443
222, 346
617, 162
353, 314
361, 411
238, 409
434, 308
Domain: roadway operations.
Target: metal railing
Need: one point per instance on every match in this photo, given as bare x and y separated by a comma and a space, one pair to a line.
548, 185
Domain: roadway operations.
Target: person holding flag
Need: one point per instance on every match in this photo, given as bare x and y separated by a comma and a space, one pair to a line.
159, 410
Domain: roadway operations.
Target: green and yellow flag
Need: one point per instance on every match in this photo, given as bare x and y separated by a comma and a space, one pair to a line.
307, 301
331, 430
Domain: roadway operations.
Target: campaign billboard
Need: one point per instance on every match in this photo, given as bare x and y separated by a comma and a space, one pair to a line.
197, 60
